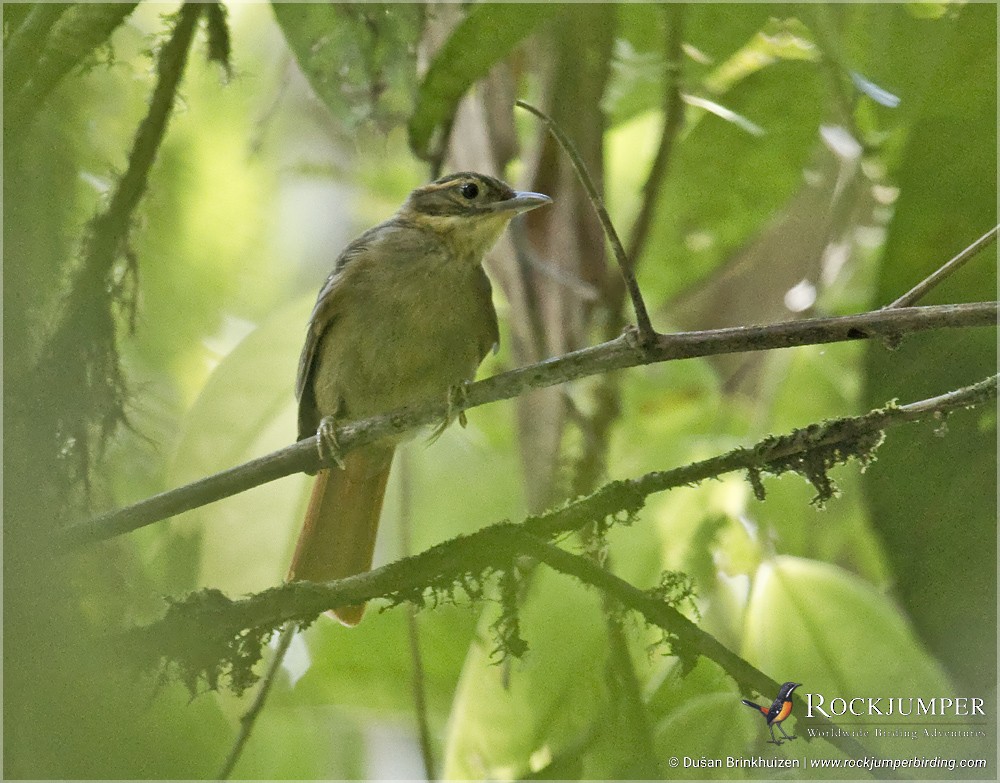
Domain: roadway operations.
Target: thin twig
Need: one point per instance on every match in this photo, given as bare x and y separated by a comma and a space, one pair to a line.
647, 335
613, 355
249, 718
943, 272
404, 470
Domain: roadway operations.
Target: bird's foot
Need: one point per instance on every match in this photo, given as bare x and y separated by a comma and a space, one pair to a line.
774, 742
457, 397
328, 444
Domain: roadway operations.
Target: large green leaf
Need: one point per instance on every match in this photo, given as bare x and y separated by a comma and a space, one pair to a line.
508, 722
933, 499
817, 624
480, 41
246, 409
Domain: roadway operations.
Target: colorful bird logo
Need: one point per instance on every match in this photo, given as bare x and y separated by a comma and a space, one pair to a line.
779, 710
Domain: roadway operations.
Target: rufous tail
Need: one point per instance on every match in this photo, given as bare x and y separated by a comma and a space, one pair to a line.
338, 536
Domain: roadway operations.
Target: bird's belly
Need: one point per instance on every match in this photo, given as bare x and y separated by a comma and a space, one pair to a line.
402, 353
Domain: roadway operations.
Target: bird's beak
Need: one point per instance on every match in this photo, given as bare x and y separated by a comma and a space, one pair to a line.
522, 201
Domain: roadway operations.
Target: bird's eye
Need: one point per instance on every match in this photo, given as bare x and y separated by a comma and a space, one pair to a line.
470, 190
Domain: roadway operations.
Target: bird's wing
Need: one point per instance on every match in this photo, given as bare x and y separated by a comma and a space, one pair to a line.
324, 314
490, 340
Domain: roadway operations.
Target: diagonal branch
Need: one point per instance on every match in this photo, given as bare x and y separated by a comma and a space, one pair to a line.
79, 374
208, 634
209, 618
692, 641
613, 355
673, 120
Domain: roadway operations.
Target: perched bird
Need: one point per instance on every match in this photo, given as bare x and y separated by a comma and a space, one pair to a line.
780, 709
404, 319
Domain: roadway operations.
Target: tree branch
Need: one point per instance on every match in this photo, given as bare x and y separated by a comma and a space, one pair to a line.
691, 642
673, 120
78, 374
613, 355
69, 37
208, 634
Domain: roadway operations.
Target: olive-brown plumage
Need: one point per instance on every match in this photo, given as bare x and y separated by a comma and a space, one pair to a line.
405, 316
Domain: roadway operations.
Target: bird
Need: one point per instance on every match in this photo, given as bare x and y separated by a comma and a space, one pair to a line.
779, 710
404, 319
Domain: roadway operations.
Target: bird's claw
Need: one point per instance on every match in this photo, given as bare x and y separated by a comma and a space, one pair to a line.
457, 396
327, 442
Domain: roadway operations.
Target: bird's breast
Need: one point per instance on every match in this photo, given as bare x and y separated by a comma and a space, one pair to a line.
405, 335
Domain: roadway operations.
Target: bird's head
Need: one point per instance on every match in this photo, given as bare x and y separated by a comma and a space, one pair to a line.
468, 210
787, 688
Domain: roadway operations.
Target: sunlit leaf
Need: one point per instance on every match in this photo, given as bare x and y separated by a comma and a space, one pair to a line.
725, 183
246, 409
817, 624
509, 721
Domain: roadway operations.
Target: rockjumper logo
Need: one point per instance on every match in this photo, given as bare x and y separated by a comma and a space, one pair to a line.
866, 706
779, 710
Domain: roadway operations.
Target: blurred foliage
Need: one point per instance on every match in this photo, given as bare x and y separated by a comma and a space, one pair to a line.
872, 125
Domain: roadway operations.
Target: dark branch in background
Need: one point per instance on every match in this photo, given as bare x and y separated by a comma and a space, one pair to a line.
647, 335
673, 121
249, 718
614, 355
69, 40
596, 423
925, 285
207, 636
79, 377
419, 684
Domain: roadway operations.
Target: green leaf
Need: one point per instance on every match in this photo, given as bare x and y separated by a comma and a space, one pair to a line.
820, 624
480, 41
360, 58
824, 627
369, 668
725, 183
513, 720
933, 499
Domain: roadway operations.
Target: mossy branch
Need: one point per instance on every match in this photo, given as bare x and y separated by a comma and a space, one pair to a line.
78, 375
211, 638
